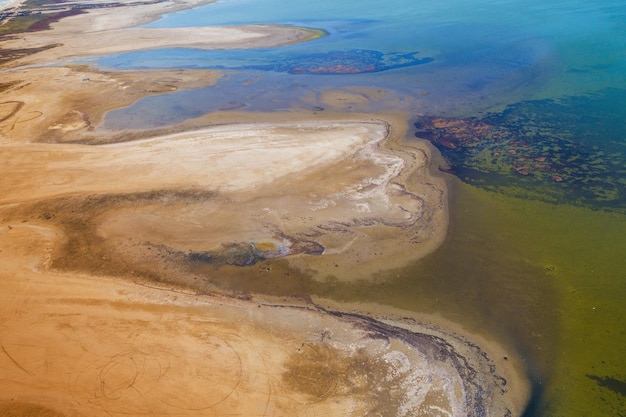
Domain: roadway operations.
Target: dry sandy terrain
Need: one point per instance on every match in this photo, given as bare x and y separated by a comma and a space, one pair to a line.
322, 185
110, 41
115, 248
109, 31
77, 345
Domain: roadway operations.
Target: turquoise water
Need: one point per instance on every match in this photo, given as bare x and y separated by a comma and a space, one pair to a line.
461, 64
535, 252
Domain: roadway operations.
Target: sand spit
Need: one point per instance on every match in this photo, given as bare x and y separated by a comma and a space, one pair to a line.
118, 251
73, 44
231, 158
257, 191
77, 345
109, 31
64, 104
98, 346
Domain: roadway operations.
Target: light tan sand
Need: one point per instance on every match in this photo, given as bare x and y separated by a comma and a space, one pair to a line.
76, 345
95, 346
380, 211
51, 104
283, 183
75, 44
233, 158
90, 219
109, 31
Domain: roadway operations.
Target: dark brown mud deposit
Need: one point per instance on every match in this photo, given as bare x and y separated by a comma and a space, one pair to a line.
613, 384
249, 253
82, 248
355, 61
8, 55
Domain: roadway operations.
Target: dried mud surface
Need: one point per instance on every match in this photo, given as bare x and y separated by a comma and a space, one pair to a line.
120, 253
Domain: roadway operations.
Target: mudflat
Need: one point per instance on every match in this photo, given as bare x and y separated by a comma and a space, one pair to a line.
115, 247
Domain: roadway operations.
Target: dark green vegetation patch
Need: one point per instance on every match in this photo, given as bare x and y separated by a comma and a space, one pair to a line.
571, 150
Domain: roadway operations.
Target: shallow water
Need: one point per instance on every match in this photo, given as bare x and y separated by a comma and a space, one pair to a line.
533, 260
441, 64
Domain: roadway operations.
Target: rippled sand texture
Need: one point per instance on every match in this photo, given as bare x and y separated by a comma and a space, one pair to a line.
111, 244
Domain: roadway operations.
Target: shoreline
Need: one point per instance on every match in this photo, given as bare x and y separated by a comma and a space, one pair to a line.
413, 334
384, 203
81, 212
101, 32
175, 323
76, 45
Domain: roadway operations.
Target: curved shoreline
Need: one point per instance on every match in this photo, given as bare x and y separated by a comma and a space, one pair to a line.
89, 44
450, 361
75, 217
294, 196
147, 337
101, 32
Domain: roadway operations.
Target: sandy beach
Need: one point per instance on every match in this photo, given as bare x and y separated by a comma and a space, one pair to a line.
113, 244
110, 41
111, 30
77, 345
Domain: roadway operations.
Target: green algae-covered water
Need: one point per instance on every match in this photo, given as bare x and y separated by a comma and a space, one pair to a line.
532, 95
570, 311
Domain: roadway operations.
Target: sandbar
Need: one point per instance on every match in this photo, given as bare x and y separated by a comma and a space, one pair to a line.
112, 41
112, 30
